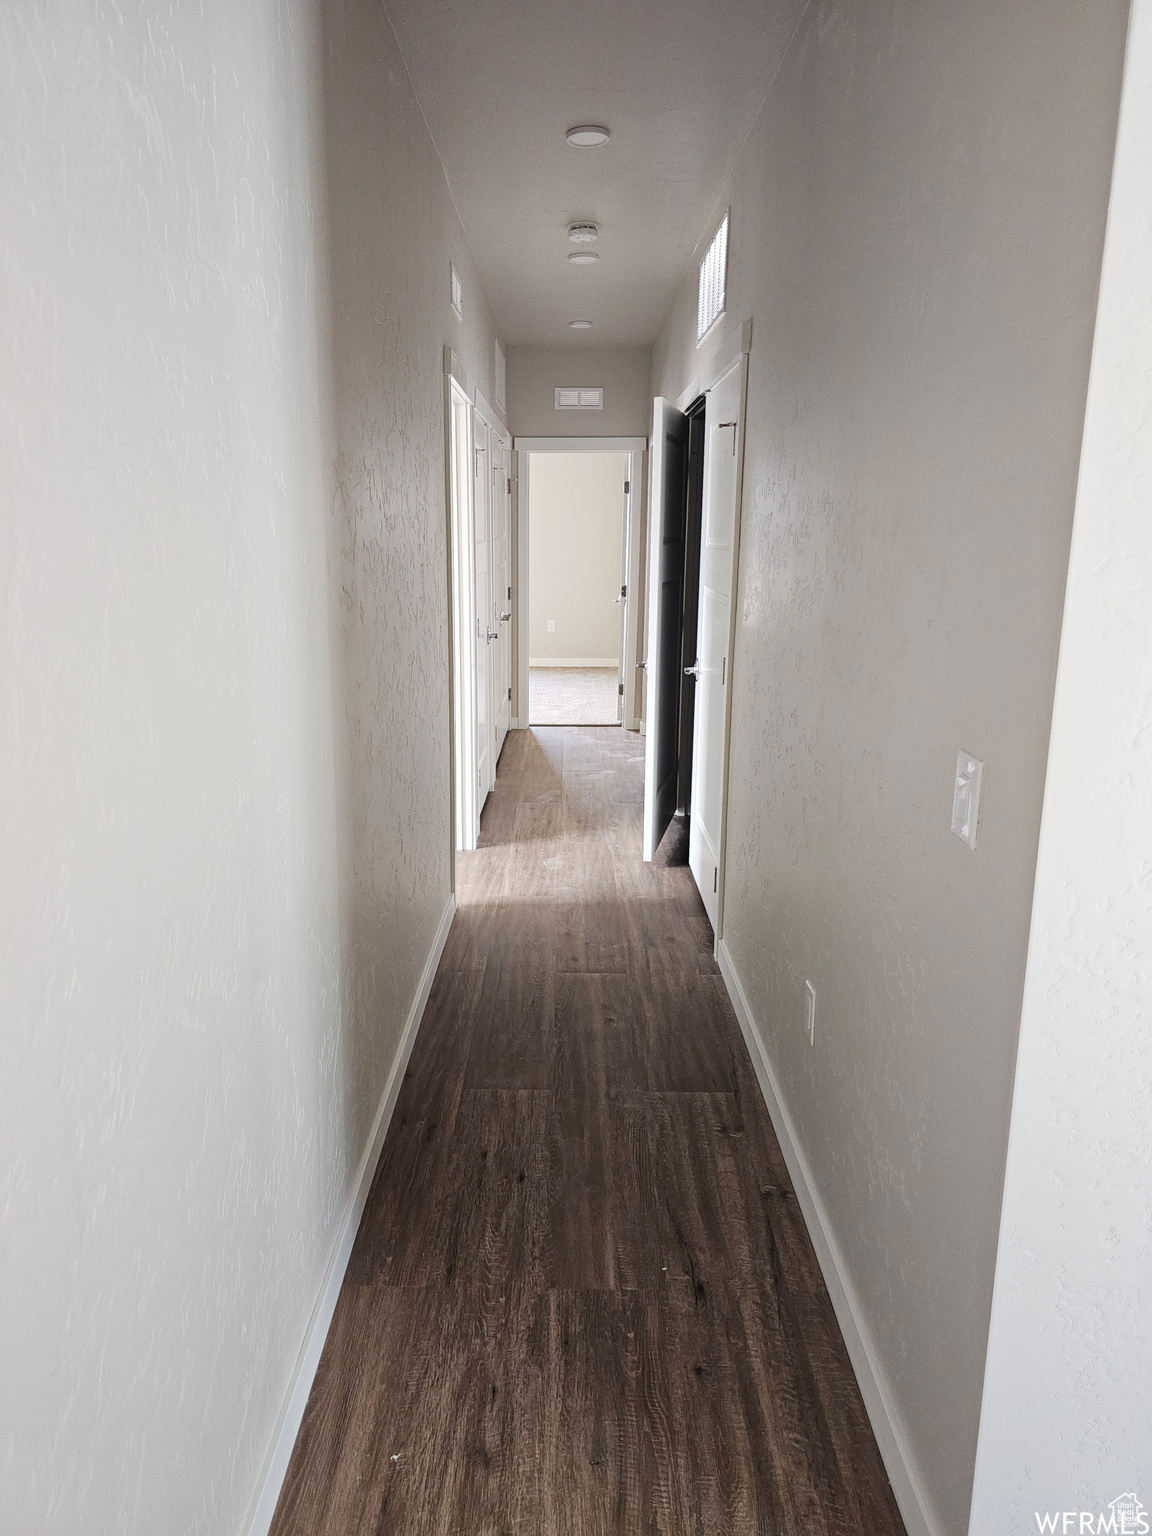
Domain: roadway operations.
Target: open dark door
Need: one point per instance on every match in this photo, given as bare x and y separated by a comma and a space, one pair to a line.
666, 509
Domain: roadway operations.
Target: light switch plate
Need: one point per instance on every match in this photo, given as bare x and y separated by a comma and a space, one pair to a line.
551, 625
966, 797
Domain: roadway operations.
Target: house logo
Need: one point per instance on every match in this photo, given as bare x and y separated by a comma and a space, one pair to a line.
1124, 1516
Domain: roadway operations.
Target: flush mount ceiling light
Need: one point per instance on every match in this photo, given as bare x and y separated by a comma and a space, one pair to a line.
582, 234
579, 325
583, 258
587, 136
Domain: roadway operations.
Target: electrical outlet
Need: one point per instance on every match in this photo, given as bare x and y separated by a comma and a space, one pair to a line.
810, 1012
551, 625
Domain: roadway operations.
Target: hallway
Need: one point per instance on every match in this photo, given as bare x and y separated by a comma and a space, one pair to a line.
582, 1299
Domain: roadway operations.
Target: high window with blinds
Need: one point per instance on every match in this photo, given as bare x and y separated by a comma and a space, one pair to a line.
713, 278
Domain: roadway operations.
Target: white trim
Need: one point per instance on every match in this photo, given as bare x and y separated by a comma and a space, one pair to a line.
887, 1422
300, 1385
580, 444
635, 448
633, 610
520, 663
724, 346
575, 661
461, 487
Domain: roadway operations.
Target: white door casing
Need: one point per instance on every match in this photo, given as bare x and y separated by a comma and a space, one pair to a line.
631, 615
485, 757
461, 489
622, 600
718, 529
666, 508
501, 558
634, 447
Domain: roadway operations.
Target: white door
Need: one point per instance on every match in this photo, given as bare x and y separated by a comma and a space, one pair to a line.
666, 509
501, 539
718, 530
622, 598
485, 761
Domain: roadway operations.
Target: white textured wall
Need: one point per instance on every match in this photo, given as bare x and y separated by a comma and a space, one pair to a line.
917, 225
574, 554
1068, 1391
223, 766
393, 233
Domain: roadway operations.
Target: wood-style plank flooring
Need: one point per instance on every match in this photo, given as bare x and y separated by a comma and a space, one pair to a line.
582, 1301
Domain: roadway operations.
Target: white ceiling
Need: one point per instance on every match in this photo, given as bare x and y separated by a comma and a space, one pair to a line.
679, 83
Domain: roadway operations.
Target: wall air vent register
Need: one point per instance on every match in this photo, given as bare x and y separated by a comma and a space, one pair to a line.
713, 282
579, 399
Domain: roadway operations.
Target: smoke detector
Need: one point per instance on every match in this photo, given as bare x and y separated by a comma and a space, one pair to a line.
582, 234
580, 325
587, 136
583, 258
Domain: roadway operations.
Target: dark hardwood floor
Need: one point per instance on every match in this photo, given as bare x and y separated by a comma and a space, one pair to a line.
582, 1301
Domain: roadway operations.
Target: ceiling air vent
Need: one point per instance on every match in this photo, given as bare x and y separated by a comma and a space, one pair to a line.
579, 399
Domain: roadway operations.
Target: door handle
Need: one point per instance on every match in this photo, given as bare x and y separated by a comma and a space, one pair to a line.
693, 671
493, 634
504, 617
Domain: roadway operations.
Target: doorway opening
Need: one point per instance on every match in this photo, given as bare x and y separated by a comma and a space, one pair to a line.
579, 557
697, 458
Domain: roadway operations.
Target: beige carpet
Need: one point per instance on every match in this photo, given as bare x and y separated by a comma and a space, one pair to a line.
573, 696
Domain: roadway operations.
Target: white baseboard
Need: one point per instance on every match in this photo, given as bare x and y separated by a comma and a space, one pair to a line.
574, 661
887, 1422
296, 1399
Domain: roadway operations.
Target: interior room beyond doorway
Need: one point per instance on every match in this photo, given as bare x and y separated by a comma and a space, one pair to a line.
577, 560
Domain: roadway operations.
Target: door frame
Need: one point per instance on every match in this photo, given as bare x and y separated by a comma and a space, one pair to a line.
460, 512
636, 448
501, 440
727, 350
